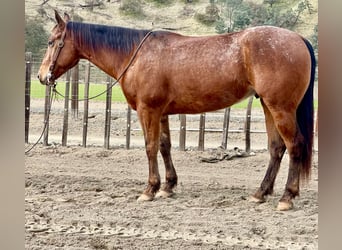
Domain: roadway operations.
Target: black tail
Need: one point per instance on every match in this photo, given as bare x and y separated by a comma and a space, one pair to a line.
305, 117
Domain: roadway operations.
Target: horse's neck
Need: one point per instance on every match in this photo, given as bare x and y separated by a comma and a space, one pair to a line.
110, 62
110, 52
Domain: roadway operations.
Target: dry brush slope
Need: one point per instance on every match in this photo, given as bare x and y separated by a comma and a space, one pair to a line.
177, 15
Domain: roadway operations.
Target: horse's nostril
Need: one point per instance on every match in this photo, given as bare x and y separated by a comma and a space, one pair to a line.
38, 76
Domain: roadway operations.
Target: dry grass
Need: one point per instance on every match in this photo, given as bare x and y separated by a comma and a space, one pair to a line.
177, 15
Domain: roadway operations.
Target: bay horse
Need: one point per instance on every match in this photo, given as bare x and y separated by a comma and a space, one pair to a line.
164, 73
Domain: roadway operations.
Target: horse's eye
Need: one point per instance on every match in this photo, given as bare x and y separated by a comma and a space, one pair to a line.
50, 43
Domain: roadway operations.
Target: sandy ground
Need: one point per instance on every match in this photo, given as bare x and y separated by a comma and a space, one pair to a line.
85, 198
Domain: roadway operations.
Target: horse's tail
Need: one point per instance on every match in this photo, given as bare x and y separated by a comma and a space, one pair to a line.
305, 118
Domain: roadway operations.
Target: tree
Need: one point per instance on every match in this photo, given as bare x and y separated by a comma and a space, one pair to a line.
239, 14
231, 16
35, 37
309, 6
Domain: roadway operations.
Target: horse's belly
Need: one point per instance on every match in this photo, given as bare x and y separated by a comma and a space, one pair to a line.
206, 102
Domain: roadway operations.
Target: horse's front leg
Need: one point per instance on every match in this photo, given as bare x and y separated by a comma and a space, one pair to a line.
165, 150
150, 122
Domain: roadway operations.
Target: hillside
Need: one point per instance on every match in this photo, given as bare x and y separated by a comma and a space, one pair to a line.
177, 15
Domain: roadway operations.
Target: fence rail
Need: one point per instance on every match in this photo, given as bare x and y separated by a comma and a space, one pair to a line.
72, 80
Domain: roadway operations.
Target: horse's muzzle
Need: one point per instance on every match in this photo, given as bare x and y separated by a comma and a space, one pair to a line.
48, 80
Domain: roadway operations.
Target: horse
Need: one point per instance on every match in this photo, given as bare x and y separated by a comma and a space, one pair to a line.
163, 73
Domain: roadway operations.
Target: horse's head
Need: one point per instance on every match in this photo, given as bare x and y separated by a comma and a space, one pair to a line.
61, 53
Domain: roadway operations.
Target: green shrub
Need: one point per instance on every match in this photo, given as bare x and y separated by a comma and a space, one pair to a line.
162, 2
132, 8
210, 17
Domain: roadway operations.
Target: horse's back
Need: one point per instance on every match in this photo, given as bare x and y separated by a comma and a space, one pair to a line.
193, 73
204, 73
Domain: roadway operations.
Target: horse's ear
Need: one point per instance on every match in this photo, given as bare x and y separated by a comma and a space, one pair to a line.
58, 18
66, 17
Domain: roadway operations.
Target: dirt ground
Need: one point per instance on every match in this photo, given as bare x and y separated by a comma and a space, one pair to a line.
86, 198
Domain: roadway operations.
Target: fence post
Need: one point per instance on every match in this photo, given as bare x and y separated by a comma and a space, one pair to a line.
66, 109
225, 127
108, 112
128, 129
201, 132
182, 132
47, 112
28, 59
248, 124
316, 124
86, 104
74, 90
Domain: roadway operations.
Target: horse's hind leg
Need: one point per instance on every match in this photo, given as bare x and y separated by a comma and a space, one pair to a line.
295, 146
286, 124
276, 148
165, 150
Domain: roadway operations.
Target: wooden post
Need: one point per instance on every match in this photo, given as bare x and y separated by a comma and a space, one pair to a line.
74, 91
128, 129
108, 112
86, 104
182, 132
248, 124
47, 115
28, 58
316, 124
225, 128
201, 132
66, 109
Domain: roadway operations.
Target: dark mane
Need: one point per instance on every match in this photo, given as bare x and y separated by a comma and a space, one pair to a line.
95, 36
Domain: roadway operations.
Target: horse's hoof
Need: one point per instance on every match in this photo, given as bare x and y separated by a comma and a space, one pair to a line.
284, 206
163, 194
256, 200
144, 197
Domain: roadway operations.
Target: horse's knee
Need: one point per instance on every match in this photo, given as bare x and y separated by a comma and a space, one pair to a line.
151, 150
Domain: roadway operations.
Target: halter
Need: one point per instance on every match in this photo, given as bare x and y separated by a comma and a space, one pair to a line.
60, 45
